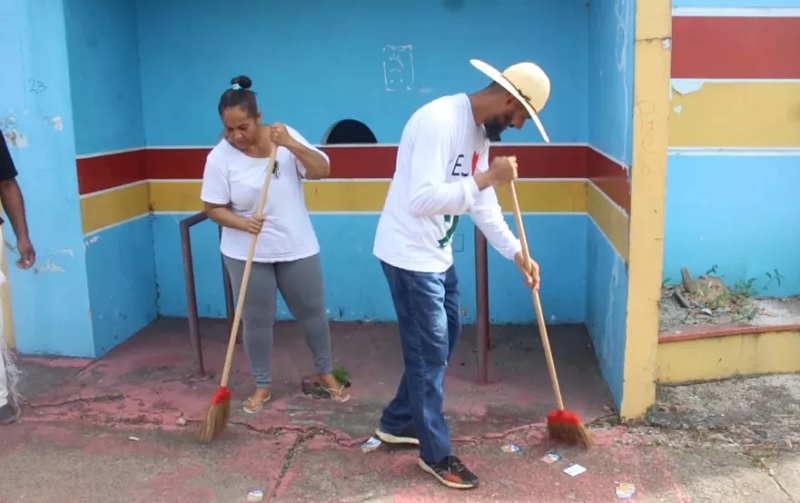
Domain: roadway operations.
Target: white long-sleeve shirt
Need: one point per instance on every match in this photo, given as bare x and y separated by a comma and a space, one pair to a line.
440, 150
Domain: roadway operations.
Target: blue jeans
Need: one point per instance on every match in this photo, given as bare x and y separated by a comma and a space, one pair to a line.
429, 322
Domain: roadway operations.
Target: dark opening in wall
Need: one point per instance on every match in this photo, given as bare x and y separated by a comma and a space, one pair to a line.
348, 131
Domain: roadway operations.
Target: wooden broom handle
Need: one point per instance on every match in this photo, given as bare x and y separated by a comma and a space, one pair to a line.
537, 303
262, 203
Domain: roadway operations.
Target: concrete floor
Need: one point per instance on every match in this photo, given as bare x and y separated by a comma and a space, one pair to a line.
110, 430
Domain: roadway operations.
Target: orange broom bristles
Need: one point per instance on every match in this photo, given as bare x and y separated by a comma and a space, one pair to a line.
565, 426
216, 419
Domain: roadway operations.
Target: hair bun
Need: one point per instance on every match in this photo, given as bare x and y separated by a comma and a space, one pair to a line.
242, 81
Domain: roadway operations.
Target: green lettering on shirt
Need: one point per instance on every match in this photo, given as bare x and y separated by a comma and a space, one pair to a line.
453, 221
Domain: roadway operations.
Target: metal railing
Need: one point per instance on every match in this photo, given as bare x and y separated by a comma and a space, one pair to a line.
191, 292
481, 286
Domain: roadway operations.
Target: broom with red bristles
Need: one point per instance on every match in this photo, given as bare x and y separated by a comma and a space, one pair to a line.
216, 420
562, 425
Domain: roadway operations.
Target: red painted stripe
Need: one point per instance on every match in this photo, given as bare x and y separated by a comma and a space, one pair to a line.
535, 161
107, 171
611, 177
379, 161
736, 47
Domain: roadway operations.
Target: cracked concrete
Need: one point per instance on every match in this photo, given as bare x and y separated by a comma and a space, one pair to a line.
116, 430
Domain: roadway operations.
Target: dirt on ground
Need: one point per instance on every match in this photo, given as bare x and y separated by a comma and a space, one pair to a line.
707, 300
755, 414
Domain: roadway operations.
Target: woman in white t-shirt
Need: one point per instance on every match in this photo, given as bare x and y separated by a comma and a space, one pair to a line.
287, 253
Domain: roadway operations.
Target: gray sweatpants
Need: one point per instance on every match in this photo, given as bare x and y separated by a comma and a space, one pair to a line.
300, 284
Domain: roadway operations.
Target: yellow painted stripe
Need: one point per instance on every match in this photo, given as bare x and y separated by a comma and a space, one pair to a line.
107, 208
610, 218
113, 206
736, 114
369, 195
546, 196
727, 356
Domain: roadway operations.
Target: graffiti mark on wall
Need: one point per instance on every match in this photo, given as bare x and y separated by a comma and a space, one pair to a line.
36, 86
398, 67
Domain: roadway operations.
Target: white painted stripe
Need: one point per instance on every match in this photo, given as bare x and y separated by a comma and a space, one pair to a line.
611, 201
171, 213
359, 145
115, 224
112, 189
736, 11
109, 152
736, 151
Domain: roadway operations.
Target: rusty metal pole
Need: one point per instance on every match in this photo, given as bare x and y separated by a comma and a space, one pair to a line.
482, 299
191, 292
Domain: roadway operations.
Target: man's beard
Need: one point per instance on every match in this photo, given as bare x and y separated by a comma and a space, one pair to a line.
494, 127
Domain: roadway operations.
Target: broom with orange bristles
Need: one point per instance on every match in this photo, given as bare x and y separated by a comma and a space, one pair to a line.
216, 420
562, 425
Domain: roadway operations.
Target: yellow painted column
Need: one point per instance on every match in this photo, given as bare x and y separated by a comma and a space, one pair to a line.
7, 326
652, 59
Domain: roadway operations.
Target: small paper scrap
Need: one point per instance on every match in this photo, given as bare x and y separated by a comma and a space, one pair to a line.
133, 439
370, 445
625, 490
574, 469
551, 457
511, 448
255, 495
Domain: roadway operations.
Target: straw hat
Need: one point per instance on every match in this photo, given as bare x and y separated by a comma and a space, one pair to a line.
526, 82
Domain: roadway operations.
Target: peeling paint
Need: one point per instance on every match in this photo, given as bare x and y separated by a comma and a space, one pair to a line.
64, 251
678, 109
48, 266
58, 124
686, 86
15, 138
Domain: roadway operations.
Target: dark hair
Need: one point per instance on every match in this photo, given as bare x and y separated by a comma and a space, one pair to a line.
239, 95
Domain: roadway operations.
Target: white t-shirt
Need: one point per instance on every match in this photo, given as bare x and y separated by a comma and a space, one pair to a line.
231, 176
440, 150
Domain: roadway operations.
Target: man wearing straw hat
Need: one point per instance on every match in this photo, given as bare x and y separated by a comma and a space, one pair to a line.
442, 172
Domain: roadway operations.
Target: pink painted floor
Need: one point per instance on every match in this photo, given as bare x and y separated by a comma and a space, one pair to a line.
79, 415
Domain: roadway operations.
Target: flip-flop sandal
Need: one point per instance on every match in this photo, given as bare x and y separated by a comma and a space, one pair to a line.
252, 406
336, 396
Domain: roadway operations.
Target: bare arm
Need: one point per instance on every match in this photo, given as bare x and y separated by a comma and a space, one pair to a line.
14, 204
312, 163
224, 216
317, 165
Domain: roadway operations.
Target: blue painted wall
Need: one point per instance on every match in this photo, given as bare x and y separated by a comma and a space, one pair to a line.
102, 42
349, 82
738, 212
606, 306
610, 73
610, 60
330, 65
51, 302
346, 242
